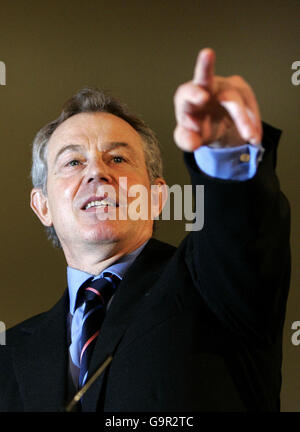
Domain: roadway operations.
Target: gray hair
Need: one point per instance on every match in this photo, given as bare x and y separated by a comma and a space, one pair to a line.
89, 100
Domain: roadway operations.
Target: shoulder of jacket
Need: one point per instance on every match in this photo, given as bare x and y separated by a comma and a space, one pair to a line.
15, 334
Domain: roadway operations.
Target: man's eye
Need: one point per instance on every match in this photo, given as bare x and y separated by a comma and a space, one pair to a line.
73, 162
118, 159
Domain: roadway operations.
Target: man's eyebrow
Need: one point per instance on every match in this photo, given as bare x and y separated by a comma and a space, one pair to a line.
107, 146
111, 145
70, 147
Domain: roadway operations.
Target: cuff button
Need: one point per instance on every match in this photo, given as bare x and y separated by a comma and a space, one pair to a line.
245, 157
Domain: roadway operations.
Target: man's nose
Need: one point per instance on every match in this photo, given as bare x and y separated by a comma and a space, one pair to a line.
98, 171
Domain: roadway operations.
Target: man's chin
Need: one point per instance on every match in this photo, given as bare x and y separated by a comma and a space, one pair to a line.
102, 234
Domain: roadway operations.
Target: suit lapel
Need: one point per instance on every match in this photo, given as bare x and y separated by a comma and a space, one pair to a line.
41, 362
129, 297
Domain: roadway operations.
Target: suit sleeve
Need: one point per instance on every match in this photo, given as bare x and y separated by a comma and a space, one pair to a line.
240, 259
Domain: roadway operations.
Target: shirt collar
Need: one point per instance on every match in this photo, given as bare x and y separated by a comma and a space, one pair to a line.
77, 277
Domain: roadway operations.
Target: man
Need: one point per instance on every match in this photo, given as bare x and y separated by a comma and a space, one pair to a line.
198, 328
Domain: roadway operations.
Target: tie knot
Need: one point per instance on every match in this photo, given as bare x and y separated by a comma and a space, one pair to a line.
100, 290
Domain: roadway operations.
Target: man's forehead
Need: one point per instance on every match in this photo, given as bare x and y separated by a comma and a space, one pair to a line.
102, 128
95, 123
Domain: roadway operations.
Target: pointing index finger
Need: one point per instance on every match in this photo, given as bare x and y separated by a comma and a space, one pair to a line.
205, 68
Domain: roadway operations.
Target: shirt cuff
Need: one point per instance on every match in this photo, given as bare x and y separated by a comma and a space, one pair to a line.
230, 163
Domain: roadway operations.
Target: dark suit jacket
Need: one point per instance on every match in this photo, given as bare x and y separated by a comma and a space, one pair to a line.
193, 328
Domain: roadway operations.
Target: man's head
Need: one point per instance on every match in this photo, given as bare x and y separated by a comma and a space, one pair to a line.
90, 146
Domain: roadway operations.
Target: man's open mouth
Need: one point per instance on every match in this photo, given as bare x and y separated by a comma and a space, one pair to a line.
98, 202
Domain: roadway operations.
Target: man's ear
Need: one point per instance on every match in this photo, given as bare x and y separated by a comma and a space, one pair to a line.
39, 204
159, 195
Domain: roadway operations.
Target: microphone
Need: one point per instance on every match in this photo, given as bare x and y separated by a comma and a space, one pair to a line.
87, 385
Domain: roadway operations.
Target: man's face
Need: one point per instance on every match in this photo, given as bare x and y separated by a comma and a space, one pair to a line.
88, 154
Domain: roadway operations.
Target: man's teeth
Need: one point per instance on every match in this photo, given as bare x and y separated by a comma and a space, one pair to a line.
102, 203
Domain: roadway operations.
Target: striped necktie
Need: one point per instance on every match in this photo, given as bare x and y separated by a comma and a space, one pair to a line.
96, 296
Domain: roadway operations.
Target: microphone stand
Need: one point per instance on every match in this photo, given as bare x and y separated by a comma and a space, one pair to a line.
87, 385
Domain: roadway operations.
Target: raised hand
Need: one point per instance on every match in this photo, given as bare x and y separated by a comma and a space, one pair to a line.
212, 108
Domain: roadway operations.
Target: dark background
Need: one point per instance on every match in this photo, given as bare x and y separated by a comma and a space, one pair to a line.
141, 51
